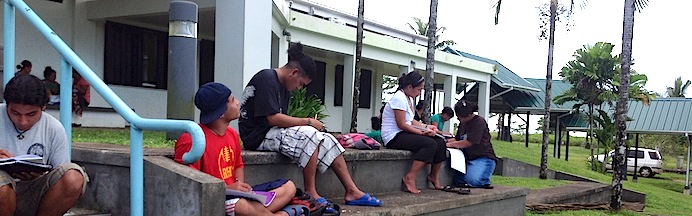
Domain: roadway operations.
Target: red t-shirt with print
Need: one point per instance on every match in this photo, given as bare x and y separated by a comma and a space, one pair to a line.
221, 156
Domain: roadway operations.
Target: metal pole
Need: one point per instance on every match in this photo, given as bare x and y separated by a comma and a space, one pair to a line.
8, 44
66, 101
136, 172
636, 158
527, 129
687, 171
182, 63
556, 147
567, 146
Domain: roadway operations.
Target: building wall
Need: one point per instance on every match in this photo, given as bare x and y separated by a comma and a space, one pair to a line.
81, 24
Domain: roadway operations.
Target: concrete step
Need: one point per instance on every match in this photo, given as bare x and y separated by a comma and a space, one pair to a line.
576, 192
499, 201
84, 212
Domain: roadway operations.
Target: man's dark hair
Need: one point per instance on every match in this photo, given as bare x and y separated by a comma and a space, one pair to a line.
465, 108
26, 89
298, 59
448, 111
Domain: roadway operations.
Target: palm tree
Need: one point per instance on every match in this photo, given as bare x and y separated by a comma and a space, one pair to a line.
621, 110
549, 74
356, 79
543, 174
421, 28
678, 89
430, 60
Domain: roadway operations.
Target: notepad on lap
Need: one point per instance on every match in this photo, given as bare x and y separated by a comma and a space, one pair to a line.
264, 197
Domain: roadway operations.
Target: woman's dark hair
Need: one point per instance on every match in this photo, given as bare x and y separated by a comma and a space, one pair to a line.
48, 71
26, 89
448, 111
298, 59
465, 108
412, 78
23, 64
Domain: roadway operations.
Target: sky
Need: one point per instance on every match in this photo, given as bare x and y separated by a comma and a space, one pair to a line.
659, 45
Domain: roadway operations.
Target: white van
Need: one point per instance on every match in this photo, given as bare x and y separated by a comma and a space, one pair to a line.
649, 161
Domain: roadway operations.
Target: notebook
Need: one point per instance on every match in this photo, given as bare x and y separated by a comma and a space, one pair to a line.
264, 197
24, 163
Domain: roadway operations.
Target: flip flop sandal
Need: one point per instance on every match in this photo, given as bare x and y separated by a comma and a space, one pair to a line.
366, 200
296, 210
458, 190
329, 205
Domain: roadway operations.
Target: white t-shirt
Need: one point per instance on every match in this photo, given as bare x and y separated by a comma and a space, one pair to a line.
46, 138
399, 101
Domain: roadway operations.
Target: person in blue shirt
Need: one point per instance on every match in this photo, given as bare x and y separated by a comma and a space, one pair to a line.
440, 118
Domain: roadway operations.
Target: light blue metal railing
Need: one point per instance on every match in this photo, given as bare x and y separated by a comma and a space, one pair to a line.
137, 123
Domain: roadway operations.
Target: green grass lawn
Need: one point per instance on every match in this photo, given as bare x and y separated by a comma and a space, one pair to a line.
663, 193
152, 139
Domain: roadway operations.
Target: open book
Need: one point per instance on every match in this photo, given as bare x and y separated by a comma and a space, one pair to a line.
264, 197
443, 136
24, 163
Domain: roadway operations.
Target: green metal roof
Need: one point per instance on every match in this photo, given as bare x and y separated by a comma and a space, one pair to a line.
665, 115
662, 116
504, 78
534, 102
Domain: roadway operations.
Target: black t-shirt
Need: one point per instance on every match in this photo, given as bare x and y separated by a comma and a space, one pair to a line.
478, 134
263, 96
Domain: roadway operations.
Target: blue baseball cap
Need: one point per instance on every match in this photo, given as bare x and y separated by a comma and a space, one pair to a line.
211, 100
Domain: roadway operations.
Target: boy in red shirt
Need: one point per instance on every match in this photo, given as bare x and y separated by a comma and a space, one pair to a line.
221, 157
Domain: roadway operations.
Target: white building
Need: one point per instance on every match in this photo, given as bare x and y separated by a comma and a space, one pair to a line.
125, 43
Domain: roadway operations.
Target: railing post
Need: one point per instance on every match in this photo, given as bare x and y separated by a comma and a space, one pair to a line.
66, 101
8, 53
136, 171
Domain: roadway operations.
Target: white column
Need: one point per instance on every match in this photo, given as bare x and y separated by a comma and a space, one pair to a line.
450, 89
484, 99
283, 48
242, 41
347, 99
377, 91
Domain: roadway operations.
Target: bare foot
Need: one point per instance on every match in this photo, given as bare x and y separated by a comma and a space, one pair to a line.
435, 182
409, 185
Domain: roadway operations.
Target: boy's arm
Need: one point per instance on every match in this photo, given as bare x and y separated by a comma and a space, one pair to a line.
239, 174
283, 121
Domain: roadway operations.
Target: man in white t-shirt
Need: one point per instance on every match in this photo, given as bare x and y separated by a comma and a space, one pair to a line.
26, 129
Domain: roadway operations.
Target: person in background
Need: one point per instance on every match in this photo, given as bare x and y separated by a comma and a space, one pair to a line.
24, 68
376, 125
418, 114
81, 97
400, 131
26, 129
473, 138
218, 107
49, 80
439, 119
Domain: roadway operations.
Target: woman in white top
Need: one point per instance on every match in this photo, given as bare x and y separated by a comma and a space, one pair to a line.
399, 131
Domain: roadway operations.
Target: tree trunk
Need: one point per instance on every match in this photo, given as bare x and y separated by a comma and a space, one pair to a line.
621, 110
430, 62
356, 79
593, 157
548, 86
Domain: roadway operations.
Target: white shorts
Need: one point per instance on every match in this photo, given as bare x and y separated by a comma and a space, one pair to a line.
300, 142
